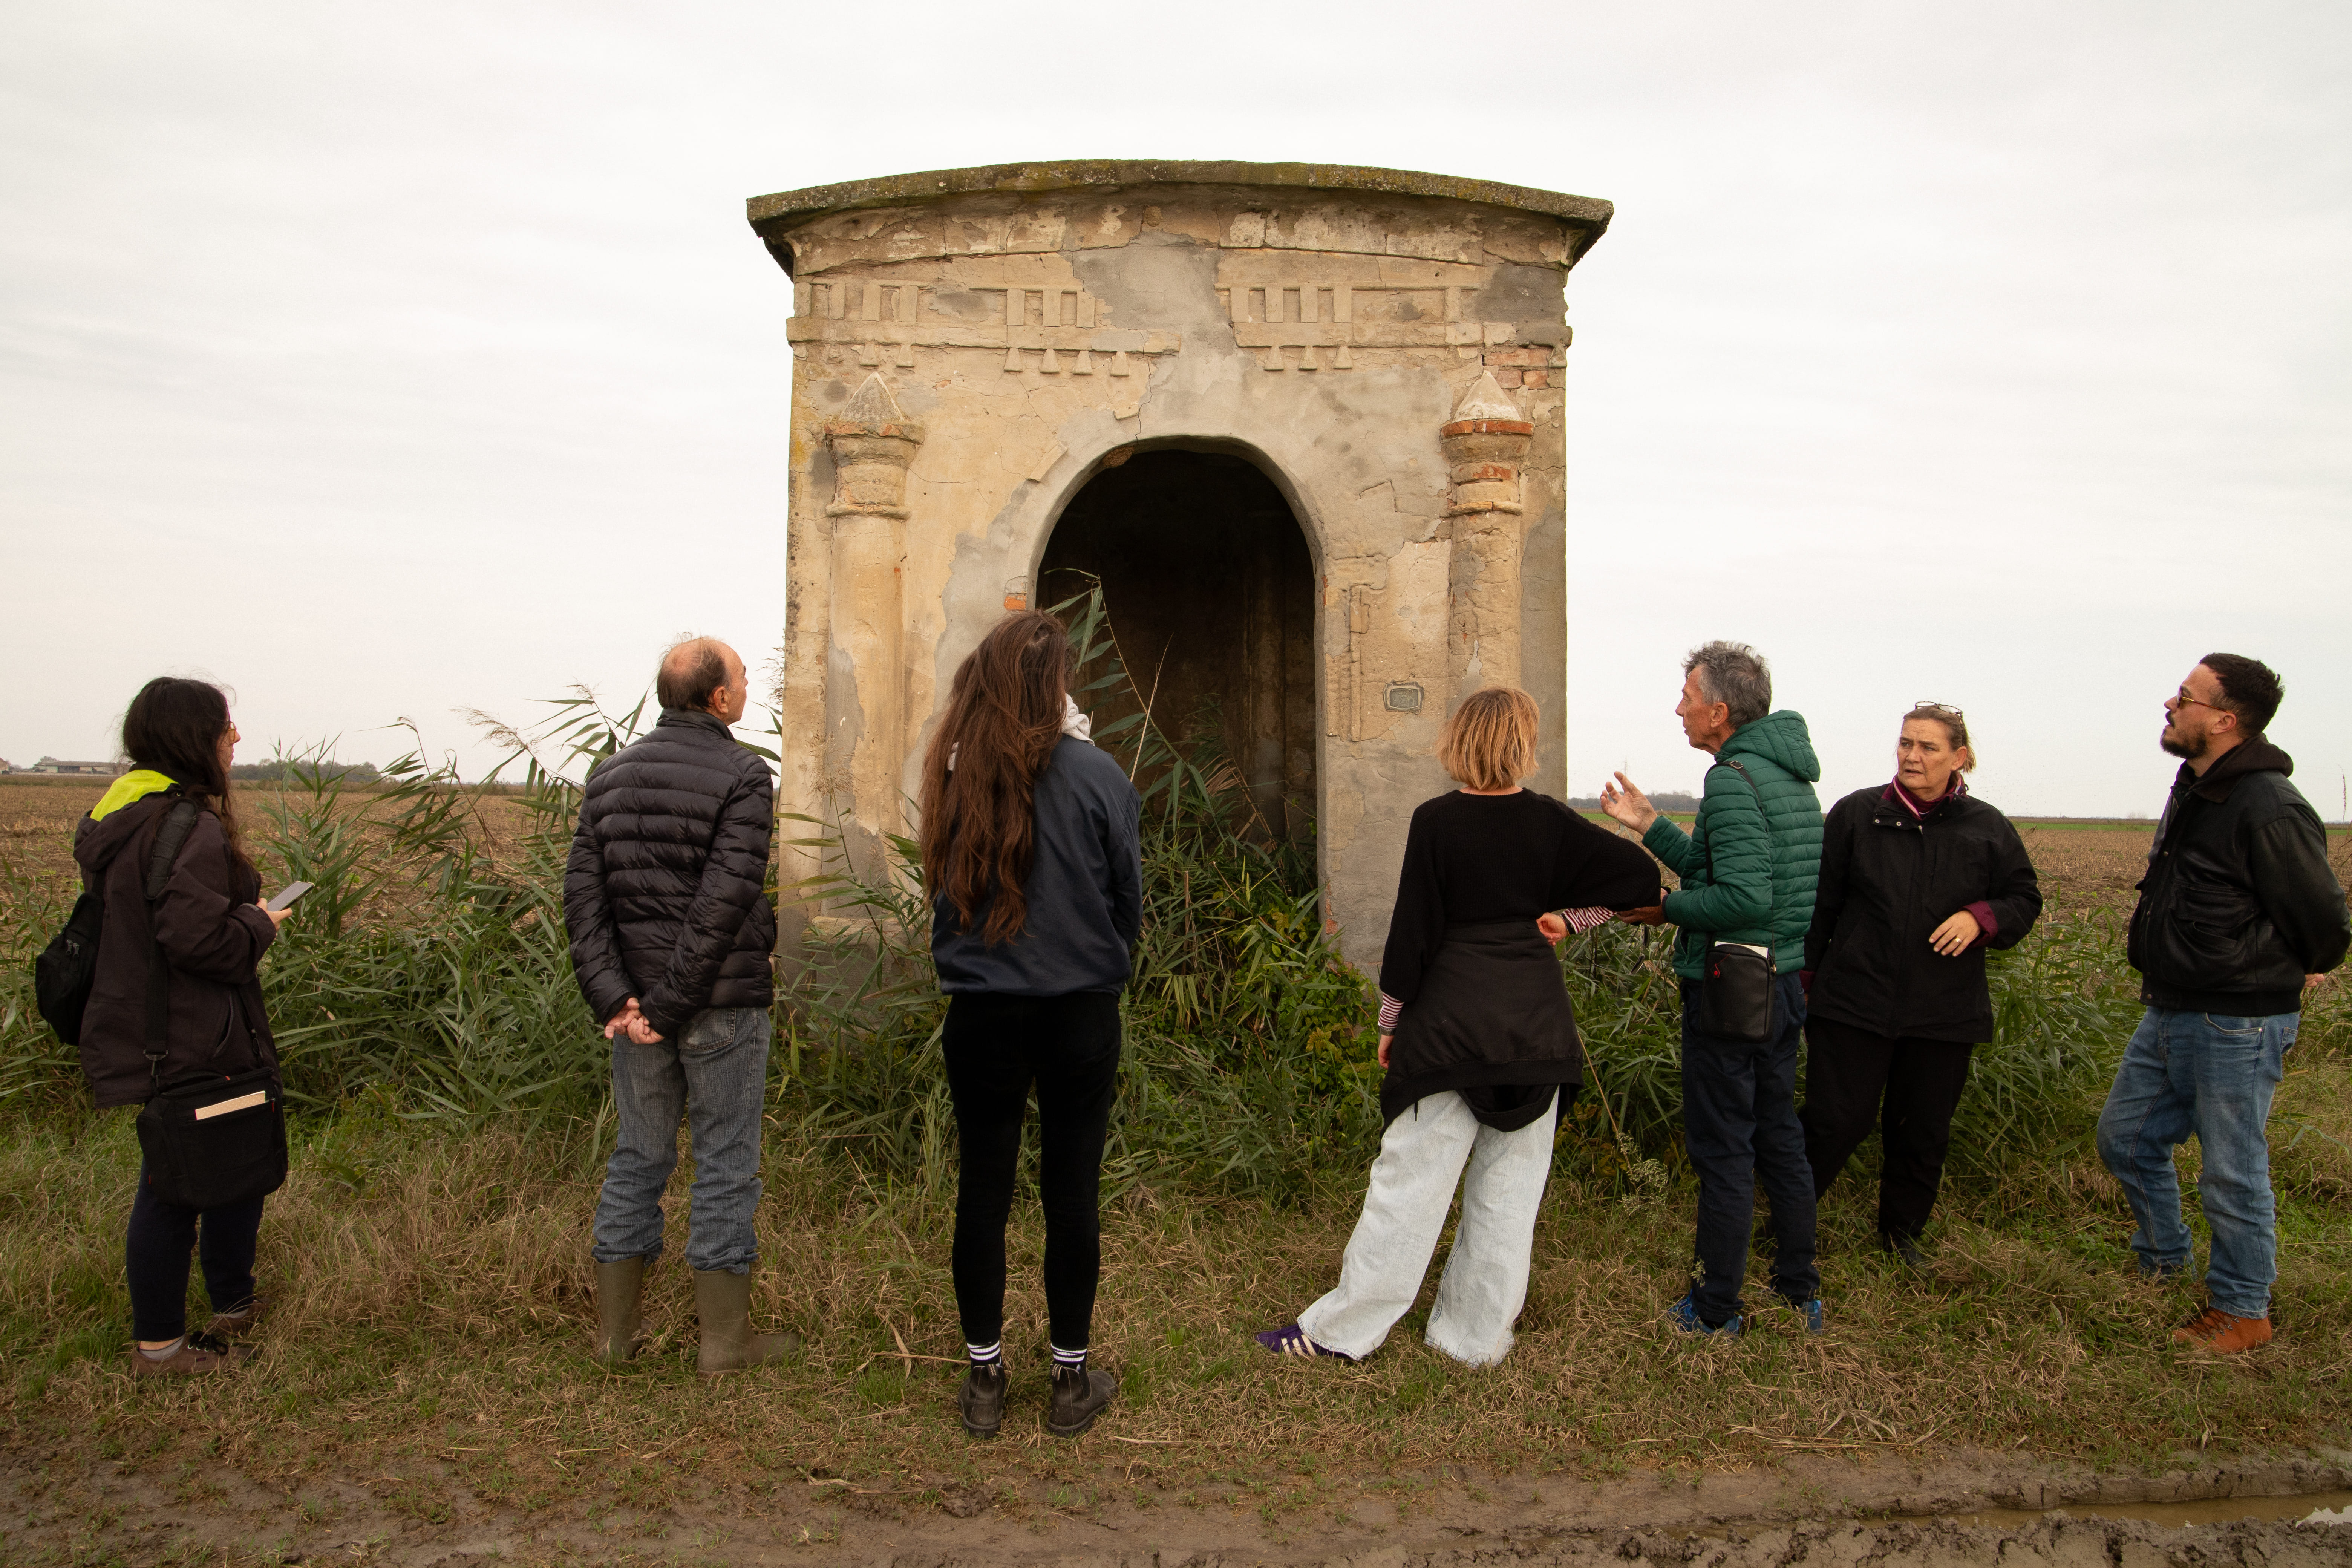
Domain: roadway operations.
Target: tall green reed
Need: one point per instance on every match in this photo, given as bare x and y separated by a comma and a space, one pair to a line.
430, 972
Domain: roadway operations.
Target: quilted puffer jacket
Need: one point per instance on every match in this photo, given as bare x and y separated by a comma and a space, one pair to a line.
1766, 853
665, 894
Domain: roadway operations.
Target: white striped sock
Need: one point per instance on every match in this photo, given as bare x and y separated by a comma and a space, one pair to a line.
987, 1354
1070, 1358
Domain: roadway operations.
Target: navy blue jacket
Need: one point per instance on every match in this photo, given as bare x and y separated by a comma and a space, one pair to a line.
1085, 891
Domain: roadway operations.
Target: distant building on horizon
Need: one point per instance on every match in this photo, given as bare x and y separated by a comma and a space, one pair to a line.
86, 770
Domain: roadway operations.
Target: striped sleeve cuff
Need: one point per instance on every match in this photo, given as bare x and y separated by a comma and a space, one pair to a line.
1582, 920
1391, 1009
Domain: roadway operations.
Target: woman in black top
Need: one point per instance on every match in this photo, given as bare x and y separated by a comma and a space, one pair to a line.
1478, 1040
1918, 880
213, 932
1031, 858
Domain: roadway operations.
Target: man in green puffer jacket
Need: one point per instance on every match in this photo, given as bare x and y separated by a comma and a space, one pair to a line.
1747, 870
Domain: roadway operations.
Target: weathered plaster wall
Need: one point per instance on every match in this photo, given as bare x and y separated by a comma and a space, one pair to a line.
1391, 361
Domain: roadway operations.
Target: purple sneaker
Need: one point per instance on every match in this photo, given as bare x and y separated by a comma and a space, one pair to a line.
1291, 1340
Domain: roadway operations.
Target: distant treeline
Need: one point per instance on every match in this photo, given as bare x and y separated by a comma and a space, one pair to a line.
1667, 800
278, 772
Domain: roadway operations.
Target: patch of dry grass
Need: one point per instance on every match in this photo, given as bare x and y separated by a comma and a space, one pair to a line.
432, 1307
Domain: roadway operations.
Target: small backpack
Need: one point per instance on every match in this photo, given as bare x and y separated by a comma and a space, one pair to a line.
67, 970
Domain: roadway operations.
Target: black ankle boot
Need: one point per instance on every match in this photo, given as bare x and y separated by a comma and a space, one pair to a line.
981, 1401
1079, 1395
1904, 1249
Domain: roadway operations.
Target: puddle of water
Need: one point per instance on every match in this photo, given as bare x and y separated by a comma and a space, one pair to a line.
2317, 1508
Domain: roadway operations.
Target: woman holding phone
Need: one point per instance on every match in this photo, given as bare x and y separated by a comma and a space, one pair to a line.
1918, 880
1478, 1040
1033, 864
211, 930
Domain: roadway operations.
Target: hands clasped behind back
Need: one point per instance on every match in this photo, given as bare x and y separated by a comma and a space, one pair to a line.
631, 1022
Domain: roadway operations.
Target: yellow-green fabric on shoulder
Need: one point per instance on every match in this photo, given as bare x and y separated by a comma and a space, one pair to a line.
129, 789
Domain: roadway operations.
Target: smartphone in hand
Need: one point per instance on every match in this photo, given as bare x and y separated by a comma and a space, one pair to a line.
287, 894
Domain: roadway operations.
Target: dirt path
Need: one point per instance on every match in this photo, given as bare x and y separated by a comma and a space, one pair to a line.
1813, 1509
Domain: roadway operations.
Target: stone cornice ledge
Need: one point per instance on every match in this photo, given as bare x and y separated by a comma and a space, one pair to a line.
771, 214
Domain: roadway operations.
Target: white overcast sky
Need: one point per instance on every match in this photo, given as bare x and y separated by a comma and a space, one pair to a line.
384, 361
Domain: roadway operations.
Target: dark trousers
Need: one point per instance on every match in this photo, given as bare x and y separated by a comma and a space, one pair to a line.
156, 1251
1909, 1086
996, 1046
1740, 1124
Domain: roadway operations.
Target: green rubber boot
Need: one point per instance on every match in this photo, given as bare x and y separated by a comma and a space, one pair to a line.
724, 1303
617, 1287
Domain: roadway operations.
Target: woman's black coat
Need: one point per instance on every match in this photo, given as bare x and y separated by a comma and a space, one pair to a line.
213, 934
1888, 879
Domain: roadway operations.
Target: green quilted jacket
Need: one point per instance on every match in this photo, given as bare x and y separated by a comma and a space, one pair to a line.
1760, 887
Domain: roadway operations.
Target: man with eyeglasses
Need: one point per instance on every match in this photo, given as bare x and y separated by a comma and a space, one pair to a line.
2238, 915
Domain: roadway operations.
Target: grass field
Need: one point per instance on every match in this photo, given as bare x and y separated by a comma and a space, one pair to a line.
431, 1317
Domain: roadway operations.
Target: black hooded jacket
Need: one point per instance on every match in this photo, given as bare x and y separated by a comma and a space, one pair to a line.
664, 895
2239, 903
213, 934
1888, 879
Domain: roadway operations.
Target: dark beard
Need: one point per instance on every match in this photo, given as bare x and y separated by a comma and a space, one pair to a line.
2187, 751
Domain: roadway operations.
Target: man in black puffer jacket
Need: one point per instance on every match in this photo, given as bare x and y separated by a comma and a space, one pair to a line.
666, 899
2238, 913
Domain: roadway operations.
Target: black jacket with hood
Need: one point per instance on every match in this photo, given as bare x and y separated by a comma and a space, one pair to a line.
2239, 903
1888, 879
664, 895
213, 935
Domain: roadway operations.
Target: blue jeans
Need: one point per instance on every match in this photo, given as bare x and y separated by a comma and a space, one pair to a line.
1740, 1124
2213, 1076
714, 1074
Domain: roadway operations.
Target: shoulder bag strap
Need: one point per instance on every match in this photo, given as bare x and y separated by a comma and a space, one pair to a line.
1750, 783
178, 822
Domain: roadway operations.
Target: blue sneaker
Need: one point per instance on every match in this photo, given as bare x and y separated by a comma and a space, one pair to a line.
1814, 1311
1684, 1315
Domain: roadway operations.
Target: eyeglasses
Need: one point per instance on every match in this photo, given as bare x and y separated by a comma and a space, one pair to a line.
2181, 698
1943, 707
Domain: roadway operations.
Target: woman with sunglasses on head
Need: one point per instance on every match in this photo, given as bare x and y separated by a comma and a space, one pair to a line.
210, 931
1918, 880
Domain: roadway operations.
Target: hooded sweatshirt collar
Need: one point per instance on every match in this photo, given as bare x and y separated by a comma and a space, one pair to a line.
2254, 755
129, 789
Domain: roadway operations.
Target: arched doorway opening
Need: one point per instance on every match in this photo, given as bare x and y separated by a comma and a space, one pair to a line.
1209, 587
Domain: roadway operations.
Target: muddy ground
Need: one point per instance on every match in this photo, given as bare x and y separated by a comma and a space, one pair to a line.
1814, 1510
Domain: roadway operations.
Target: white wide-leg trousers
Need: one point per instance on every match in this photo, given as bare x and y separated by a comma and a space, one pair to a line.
1485, 1279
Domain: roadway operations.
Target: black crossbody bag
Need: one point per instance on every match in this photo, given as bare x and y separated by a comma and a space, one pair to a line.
210, 1138
1735, 994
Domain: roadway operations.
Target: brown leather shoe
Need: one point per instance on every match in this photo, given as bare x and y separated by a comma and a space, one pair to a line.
2216, 1330
241, 1325
200, 1352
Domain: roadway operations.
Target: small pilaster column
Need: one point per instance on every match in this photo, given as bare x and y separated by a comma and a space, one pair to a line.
873, 444
1484, 443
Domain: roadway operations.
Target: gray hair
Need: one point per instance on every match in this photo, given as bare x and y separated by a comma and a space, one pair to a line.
1735, 675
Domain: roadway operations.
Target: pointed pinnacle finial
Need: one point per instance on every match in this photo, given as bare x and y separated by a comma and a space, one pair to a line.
1484, 400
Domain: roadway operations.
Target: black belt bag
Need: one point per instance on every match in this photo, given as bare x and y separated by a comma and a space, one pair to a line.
1735, 993
213, 1141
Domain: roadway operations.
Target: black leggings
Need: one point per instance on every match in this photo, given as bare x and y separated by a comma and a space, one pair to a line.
1909, 1088
995, 1047
156, 1253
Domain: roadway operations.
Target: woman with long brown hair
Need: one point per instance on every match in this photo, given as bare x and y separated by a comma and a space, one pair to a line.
211, 932
1032, 862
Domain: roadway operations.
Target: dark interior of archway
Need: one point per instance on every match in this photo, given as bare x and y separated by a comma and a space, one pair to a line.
1209, 589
